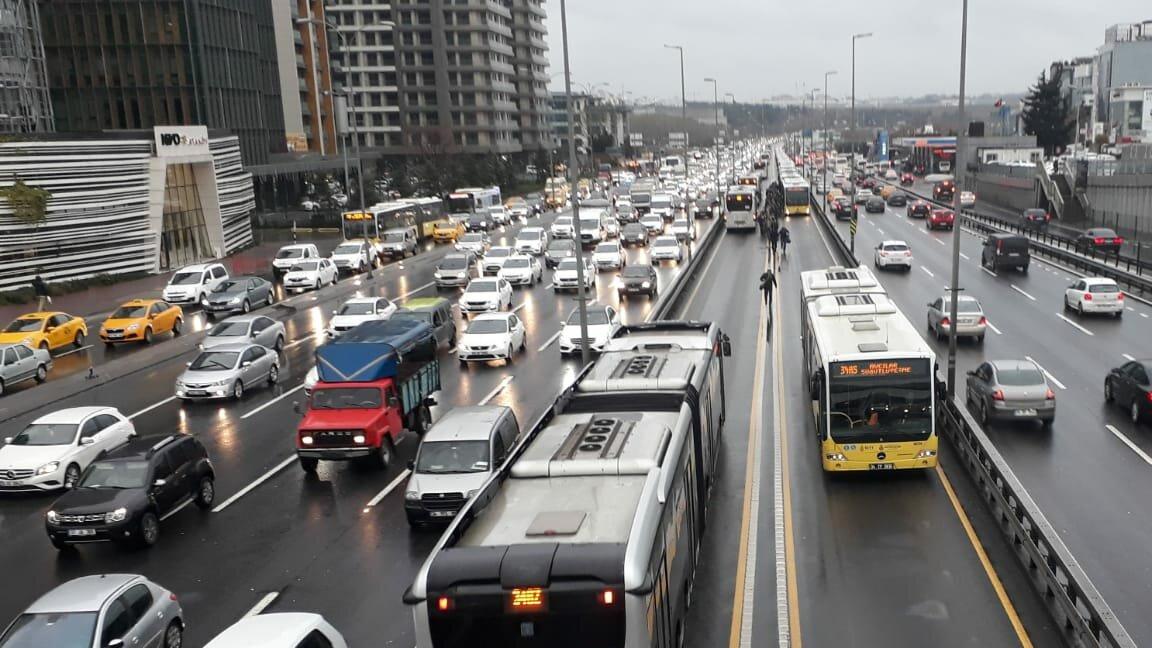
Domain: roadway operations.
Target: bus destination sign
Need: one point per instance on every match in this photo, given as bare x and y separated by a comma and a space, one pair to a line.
879, 368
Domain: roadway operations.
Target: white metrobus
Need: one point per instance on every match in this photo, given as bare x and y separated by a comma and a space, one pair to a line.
741, 203
871, 377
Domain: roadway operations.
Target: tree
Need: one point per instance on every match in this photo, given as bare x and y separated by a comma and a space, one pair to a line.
28, 204
1046, 115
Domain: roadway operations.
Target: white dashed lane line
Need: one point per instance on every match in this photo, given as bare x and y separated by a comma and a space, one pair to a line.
1047, 373
1074, 324
1017, 289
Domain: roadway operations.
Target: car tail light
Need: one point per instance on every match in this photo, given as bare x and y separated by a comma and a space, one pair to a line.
1099, 240
1120, 296
983, 320
944, 321
1050, 395
607, 597
1149, 396
1117, 240
443, 604
907, 254
171, 596
1087, 296
998, 395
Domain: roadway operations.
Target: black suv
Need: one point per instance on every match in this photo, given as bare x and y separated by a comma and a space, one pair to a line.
919, 209
122, 497
898, 199
558, 250
634, 234
1005, 250
1034, 219
637, 279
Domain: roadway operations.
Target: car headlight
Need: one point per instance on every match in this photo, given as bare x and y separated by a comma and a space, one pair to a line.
472, 493
133, 327
50, 467
359, 438
53, 517
306, 440
412, 496
646, 284
218, 383
116, 516
235, 300
461, 275
28, 341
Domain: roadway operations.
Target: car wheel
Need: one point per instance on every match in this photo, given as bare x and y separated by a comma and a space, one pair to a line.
1108, 395
41, 373
1134, 411
383, 457
245, 307
980, 339
1066, 306
71, 475
238, 389
271, 298
148, 336
1080, 309
44, 344
205, 493
279, 345
78, 339
1118, 314
148, 530
174, 635
273, 375
308, 464
524, 343
510, 354
61, 545
317, 284
178, 326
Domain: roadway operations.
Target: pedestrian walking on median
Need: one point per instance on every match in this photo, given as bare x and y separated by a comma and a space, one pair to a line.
785, 239
773, 237
40, 288
767, 285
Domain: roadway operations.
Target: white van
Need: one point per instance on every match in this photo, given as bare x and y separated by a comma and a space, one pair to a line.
456, 456
280, 630
191, 284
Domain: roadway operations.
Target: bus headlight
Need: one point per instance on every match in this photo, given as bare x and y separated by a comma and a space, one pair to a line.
835, 456
924, 454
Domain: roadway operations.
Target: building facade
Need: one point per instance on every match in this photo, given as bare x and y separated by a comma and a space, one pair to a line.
131, 64
1125, 59
124, 202
25, 103
600, 122
305, 70
530, 75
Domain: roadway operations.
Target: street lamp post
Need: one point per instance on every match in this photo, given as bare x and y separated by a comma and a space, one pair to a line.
582, 298
961, 143
716, 141
683, 95
825, 181
852, 122
731, 158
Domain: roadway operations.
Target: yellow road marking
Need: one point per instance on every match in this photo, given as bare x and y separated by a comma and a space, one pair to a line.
1002, 595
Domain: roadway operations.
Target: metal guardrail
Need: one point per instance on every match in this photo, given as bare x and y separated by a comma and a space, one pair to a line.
845, 252
1080, 611
670, 297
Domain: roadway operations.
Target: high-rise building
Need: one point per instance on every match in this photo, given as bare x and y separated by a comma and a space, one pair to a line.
129, 64
443, 75
1124, 60
305, 76
25, 105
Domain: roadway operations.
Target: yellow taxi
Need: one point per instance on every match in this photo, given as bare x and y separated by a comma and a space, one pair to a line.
139, 320
46, 330
887, 191
834, 193
447, 231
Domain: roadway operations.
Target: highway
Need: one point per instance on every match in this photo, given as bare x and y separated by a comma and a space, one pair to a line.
1089, 472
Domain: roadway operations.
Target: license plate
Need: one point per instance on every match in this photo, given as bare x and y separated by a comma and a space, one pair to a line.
10, 484
197, 392
115, 336
79, 533
1013, 254
881, 466
442, 514
1025, 412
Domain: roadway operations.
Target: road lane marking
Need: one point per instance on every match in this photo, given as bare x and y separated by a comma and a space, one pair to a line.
176, 510
1017, 289
550, 341
992, 326
1081, 328
259, 480
152, 407
1128, 307
989, 570
1128, 357
966, 257
262, 604
522, 305
940, 241
495, 392
89, 346
317, 337
416, 290
1046, 373
988, 271
1144, 315
1128, 442
387, 489
549, 286
274, 401
927, 271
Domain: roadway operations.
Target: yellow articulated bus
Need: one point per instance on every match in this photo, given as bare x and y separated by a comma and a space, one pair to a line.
870, 375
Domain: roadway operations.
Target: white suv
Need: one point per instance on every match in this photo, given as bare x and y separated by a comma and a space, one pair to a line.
191, 284
358, 310
52, 452
290, 255
893, 253
603, 322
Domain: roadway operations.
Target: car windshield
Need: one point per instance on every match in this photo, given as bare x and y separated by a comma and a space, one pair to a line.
607, 248
129, 312
1103, 288
1101, 233
229, 329
595, 317
895, 247
556, 246
482, 287
498, 252
665, 243
215, 361
307, 266
1019, 376
115, 474
494, 325
964, 305
563, 220
635, 272
590, 223
186, 278
472, 238
347, 248
346, 398
290, 253
357, 308
454, 263
1034, 213
415, 316
228, 286
24, 326
452, 457
528, 235
46, 434
393, 237
567, 264
51, 629
517, 262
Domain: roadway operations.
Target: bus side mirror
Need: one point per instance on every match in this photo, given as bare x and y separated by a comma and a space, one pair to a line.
814, 388
727, 346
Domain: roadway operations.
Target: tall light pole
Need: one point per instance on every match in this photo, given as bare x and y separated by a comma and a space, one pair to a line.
961, 143
852, 122
731, 158
716, 141
825, 181
582, 292
683, 96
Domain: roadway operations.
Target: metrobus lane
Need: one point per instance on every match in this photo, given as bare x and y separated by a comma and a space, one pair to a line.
314, 541
1100, 514
886, 557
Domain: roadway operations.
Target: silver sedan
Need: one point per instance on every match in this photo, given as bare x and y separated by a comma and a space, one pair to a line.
970, 320
226, 371
1011, 390
258, 329
20, 362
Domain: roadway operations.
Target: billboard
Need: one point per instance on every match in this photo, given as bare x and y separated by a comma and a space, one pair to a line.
177, 141
677, 139
636, 139
1147, 123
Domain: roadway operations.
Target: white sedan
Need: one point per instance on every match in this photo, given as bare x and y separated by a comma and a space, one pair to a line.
356, 311
565, 276
486, 294
521, 270
666, 248
608, 256
562, 227
314, 273
893, 253
653, 224
492, 336
682, 229
1094, 295
52, 452
603, 322
495, 258
967, 199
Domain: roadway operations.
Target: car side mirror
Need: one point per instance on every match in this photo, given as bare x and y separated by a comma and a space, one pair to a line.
246, 363
114, 643
7, 439
393, 401
50, 329
411, 465
158, 484
88, 441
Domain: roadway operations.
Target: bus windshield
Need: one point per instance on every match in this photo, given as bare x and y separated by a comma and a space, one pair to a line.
460, 203
796, 195
739, 202
865, 407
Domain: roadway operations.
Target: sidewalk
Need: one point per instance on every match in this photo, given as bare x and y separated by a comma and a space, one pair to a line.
99, 300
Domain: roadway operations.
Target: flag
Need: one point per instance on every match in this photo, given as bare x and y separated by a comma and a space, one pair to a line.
999, 102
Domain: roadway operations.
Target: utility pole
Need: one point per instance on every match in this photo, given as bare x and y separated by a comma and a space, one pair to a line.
683, 98
581, 291
716, 141
825, 181
852, 121
961, 143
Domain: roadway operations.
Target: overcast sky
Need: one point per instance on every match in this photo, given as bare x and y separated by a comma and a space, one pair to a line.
760, 48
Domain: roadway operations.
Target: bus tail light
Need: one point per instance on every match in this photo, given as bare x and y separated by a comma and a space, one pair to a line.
443, 604
608, 597
1149, 396
1050, 395
998, 395
925, 454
